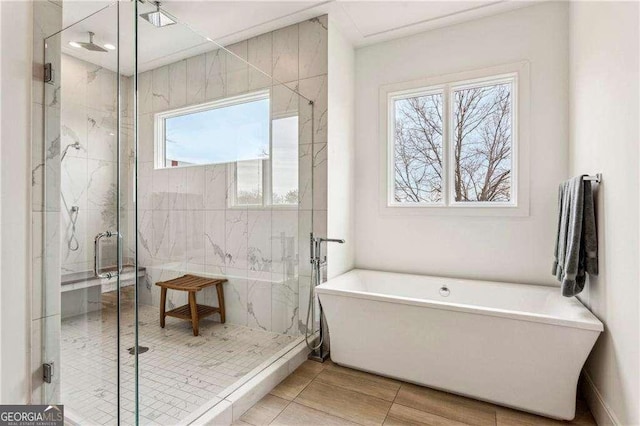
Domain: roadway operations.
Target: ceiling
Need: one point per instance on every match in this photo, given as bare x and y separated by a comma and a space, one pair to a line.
200, 22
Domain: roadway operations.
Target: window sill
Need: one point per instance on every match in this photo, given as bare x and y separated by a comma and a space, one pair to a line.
456, 211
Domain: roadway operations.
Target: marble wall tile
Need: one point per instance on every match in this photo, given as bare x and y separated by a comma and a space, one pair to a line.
259, 54
101, 184
216, 75
196, 79
177, 236
259, 240
146, 144
215, 238
237, 68
160, 89
144, 194
73, 129
195, 237
305, 227
320, 176
176, 188
215, 184
235, 296
74, 81
313, 45
194, 192
53, 90
236, 239
101, 135
160, 187
45, 347
315, 89
74, 184
285, 54
37, 243
160, 235
52, 158
102, 90
284, 101
47, 20
145, 248
178, 84
304, 283
284, 242
305, 177
145, 92
45, 298
259, 304
284, 304
37, 157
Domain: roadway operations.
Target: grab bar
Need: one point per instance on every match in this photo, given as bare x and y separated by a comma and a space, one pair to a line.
97, 254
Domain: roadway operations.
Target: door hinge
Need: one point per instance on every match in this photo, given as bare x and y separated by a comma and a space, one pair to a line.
48, 73
47, 372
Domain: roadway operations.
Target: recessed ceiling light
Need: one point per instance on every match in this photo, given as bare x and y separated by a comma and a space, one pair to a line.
110, 46
74, 44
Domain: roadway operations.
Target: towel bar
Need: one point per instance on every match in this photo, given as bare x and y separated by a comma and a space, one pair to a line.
597, 178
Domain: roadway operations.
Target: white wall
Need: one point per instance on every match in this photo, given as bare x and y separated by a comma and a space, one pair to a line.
15, 136
501, 248
604, 104
340, 155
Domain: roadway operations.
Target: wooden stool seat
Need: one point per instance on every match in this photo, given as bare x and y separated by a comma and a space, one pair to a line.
191, 311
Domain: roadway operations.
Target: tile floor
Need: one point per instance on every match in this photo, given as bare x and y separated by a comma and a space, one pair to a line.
178, 374
327, 394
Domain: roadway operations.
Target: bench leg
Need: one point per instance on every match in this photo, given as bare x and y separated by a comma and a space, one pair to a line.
220, 292
194, 312
163, 300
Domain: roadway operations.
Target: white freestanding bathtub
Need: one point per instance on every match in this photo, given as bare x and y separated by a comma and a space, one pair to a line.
521, 346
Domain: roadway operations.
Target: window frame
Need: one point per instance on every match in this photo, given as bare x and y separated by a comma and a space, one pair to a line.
159, 122
267, 175
518, 75
392, 97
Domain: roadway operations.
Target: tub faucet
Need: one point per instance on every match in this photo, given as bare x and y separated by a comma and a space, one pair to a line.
317, 258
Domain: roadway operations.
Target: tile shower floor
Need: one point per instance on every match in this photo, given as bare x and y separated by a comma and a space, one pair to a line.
178, 374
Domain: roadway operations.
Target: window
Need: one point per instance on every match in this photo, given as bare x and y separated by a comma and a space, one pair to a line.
224, 131
272, 181
261, 151
453, 144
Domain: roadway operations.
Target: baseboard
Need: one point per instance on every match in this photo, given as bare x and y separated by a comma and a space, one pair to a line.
601, 411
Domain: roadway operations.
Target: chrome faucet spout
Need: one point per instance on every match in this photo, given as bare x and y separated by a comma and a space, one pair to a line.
332, 240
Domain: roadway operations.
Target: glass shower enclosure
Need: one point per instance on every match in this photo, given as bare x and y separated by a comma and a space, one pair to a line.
167, 154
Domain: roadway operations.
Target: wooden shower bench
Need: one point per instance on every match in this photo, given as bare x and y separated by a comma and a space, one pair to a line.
191, 311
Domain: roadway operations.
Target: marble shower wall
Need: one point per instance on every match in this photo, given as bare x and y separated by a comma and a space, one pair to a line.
88, 117
185, 224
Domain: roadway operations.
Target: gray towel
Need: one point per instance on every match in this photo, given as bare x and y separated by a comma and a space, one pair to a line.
576, 243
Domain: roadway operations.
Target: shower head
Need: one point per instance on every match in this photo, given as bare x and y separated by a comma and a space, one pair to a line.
158, 18
89, 45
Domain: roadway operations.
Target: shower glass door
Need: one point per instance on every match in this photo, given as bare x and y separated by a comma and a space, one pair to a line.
168, 154
225, 190
89, 262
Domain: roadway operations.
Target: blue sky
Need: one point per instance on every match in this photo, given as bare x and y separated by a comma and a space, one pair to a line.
234, 133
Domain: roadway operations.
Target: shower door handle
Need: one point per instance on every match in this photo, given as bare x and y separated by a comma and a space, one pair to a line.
97, 254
